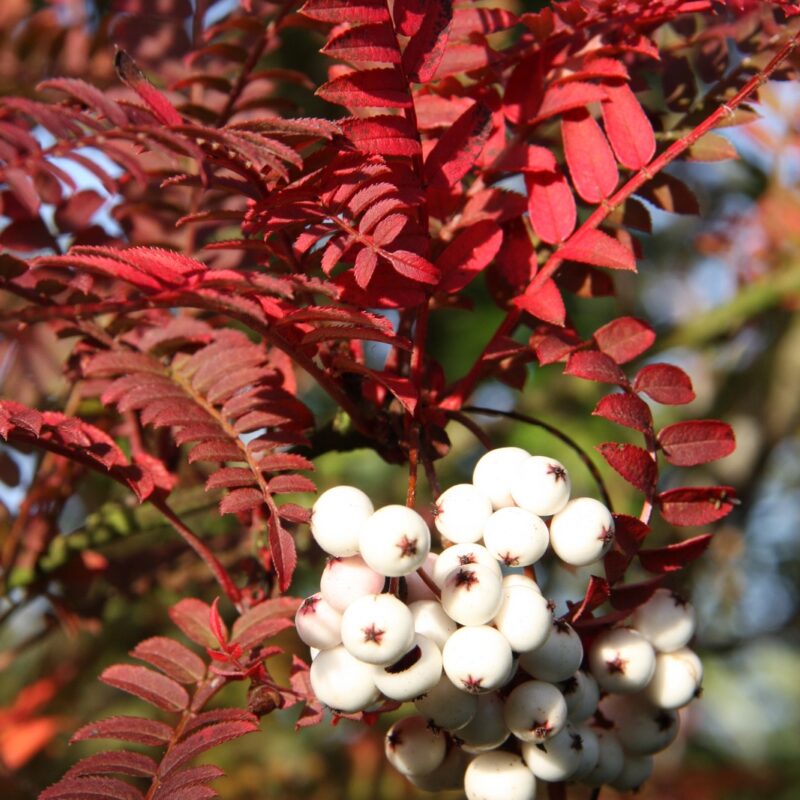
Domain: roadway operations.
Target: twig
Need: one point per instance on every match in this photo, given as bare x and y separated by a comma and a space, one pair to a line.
472, 426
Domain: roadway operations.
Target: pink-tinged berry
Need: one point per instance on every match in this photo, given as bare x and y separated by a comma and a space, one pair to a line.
416, 588
622, 661
582, 532
342, 682
499, 775
345, 580
472, 595
516, 537
337, 517
535, 711
477, 659
412, 747
317, 623
495, 471
395, 541
541, 485
378, 629
461, 513
666, 620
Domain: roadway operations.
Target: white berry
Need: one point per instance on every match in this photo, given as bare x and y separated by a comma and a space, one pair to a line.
495, 472
416, 588
337, 517
413, 674
666, 621
582, 532
635, 771
463, 555
461, 513
516, 537
520, 579
676, 679
317, 623
472, 595
342, 682
590, 752
558, 758
477, 659
449, 775
642, 729
535, 711
541, 485
395, 541
412, 748
487, 730
558, 658
622, 660
499, 775
446, 706
377, 629
344, 580
582, 695
610, 760
524, 618
431, 621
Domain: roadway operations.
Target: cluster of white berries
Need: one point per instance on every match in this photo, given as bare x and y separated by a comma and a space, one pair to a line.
504, 695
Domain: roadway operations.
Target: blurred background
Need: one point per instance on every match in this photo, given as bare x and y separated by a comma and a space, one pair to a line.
722, 290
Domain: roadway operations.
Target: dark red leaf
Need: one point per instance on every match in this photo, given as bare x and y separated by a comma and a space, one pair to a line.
284, 554
628, 127
158, 690
426, 48
375, 43
119, 762
263, 621
633, 463
543, 302
191, 792
230, 478
351, 11
625, 409
91, 788
130, 74
671, 194
240, 500
633, 595
595, 247
149, 732
77, 212
629, 533
214, 717
624, 339
468, 254
665, 383
551, 205
597, 592
696, 505
185, 779
284, 484
371, 88
192, 617
589, 157
686, 444
459, 147
594, 366
172, 658
674, 556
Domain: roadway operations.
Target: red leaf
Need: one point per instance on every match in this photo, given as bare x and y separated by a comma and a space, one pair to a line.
597, 592
551, 205
92, 788
382, 135
593, 366
172, 658
350, 11
566, 96
240, 500
151, 687
624, 339
284, 554
413, 266
696, 505
76, 213
628, 127
468, 254
373, 42
627, 410
459, 147
263, 621
284, 484
665, 383
598, 248
370, 88
633, 595
204, 739
148, 732
674, 556
629, 533
120, 762
686, 444
633, 463
426, 48
543, 302
192, 616
230, 478
130, 74
588, 155
670, 194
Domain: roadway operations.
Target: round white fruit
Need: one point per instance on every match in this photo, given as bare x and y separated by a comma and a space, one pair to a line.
622, 661
413, 674
499, 775
394, 541
416, 588
378, 629
318, 624
446, 706
535, 711
582, 532
516, 537
558, 758
582, 695
610, 759
666, 620
541, 485
524, 618
477, 659
472, 595
463, 555
519, 579
461, 513
337, 517
449, 775
412, 748
635, 771
342, 682
495, 472
558, 658
642, 729
344, 580
676, 679
431, 621
590, 752
487, 730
